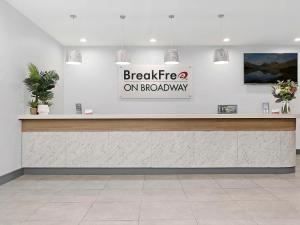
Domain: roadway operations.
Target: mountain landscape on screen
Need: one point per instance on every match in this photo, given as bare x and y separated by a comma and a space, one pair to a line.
270, 67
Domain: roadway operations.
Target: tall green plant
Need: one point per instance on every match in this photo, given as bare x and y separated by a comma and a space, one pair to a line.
41, 84
32, 82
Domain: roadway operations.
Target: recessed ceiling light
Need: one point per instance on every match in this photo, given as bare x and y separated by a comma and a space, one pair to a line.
83, 40
152, 40
226, 40
297, 39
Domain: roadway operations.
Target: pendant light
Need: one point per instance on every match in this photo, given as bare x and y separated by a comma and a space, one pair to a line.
122, 57
73, 56
171, 55
221, 55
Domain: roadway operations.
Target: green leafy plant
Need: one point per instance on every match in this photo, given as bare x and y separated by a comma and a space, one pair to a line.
33, 104
41, 84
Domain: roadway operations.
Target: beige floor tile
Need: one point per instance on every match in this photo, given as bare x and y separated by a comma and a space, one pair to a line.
295, 182
122, 195
193, 181
295, 203
9, 222
227, 176
20, 184
125, 182
162, 181
40, 184
206, 194
273, 182
18, 211
276, 221
250, 194
194, 176
224, 221
120, 222
41, 195
260, 176
159, 184
53, 184
289, 193
113, 211
269, 209
289, 176
6, 195
63, 212
58, 177
162, 177
86, 184
80, 195
163, 195
48, 223
228, 210
166, 210
168, 222
30, 177
93, 177
236, 183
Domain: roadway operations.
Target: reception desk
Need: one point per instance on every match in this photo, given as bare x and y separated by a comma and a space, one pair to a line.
188, 143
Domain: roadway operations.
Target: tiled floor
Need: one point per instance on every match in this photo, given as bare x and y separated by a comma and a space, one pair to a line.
152, 200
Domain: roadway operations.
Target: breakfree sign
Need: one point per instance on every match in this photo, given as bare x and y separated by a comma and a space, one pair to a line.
155, 81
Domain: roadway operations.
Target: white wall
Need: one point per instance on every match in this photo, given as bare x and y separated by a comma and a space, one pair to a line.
21, 42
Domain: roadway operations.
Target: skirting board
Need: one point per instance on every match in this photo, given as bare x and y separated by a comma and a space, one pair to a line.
151, 171
11, 176
140, 171
298, 151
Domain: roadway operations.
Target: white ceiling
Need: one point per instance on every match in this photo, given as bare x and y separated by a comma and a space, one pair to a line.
247, 22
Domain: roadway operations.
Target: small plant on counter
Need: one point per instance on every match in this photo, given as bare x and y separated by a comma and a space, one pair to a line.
41, 85
33, 107
284, 91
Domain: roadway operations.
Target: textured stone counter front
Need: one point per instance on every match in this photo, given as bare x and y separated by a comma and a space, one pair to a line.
253, 142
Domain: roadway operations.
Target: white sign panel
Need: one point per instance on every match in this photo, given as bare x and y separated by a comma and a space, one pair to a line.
155, 81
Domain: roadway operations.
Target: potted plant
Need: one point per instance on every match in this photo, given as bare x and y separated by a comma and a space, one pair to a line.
284, 91
41, 85
33, 107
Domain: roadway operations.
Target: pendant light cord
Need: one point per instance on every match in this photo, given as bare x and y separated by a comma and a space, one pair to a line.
73, 17
122, 17
221, 17
172, 29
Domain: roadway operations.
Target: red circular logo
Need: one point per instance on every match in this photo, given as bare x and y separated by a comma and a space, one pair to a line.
183, 75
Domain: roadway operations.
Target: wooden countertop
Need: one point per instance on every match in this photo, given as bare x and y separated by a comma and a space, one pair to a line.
159, 122
158, 116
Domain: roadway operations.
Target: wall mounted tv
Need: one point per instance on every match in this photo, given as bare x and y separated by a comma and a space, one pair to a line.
264, 68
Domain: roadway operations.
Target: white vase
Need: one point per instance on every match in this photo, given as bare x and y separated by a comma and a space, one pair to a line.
43, 109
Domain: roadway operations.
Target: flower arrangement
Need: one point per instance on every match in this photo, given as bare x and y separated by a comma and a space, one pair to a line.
284, 91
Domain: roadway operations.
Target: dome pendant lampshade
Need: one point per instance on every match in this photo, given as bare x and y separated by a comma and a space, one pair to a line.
73, 57
221, 56
122, 57
171, 57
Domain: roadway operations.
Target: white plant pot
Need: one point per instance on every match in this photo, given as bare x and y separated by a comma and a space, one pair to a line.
43, 109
